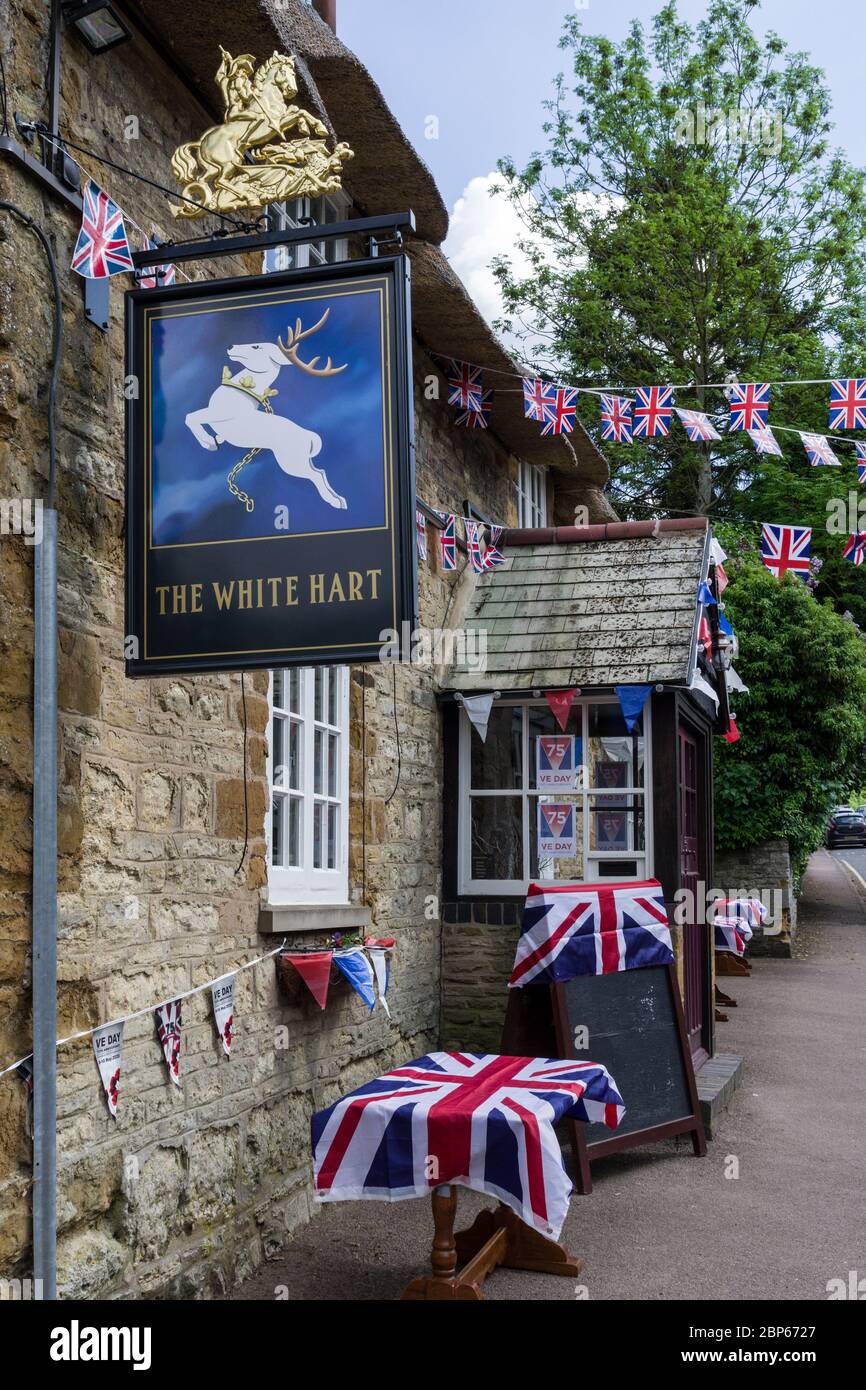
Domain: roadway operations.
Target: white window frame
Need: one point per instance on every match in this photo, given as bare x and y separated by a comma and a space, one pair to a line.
586, 799
296, 213
531, 494
305, 884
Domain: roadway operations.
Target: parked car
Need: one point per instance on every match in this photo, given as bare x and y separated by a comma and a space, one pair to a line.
846, 827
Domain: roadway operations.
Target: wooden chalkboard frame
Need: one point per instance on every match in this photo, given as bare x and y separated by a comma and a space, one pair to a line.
692, 1123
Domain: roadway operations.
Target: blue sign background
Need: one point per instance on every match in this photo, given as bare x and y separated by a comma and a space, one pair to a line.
191, 500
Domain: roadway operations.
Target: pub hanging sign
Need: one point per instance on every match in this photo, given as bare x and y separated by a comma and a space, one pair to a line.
270, 482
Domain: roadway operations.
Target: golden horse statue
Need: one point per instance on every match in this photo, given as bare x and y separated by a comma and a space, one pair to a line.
247, 161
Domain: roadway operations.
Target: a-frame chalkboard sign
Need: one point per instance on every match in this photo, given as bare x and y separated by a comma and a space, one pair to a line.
632, 1023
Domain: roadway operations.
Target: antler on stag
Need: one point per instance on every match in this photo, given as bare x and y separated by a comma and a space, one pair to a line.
295, 336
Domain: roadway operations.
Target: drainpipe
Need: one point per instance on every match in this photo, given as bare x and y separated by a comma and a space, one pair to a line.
327, 10
45, 909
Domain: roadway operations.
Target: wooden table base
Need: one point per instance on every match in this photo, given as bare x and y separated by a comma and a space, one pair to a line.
495, 1238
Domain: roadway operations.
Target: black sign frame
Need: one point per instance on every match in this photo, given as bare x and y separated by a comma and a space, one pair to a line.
144, 656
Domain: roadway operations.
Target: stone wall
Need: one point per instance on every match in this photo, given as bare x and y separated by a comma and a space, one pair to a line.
762, 871
188, 1189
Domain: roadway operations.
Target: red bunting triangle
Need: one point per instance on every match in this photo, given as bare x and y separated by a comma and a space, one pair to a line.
314, 968
560, 702
733, 734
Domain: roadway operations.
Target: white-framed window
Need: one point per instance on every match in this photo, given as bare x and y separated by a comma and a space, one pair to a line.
317, 212
531, 495
308, 779
499, 798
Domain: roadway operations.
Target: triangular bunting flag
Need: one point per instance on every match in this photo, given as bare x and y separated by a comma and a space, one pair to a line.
380, 959
705, 593
168, 1030
632, 699
223, 994
102, 248
314, 968
725, 625
478, 709
108, 1051
733, 734
736, 682
421, 533
560, 702
448, 541
698, 683
359, 972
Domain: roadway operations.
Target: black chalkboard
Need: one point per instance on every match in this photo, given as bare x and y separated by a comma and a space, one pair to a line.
636, 1029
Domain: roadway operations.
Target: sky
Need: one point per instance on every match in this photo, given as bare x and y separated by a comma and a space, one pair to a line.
484, 67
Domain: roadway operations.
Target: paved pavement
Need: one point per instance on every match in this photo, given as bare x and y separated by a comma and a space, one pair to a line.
662, 1224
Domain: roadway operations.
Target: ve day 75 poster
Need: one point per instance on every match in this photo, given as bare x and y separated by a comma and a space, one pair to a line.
270, 488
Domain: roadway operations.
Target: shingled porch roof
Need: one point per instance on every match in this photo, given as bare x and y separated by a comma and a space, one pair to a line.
591, 606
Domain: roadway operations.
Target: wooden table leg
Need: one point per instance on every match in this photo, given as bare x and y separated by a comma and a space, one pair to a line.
495, 1238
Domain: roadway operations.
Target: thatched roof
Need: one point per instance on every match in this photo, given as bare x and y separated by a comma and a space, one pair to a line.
386, 175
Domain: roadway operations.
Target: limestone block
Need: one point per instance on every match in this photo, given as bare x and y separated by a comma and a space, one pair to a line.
88, 1263
158, 799
153, 1194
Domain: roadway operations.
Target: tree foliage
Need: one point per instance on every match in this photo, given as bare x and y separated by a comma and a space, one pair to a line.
803, 723
667, 245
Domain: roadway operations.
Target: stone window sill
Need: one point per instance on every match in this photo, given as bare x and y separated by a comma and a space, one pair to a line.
275, 920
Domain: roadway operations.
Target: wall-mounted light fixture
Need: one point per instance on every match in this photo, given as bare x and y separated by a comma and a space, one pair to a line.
97, 23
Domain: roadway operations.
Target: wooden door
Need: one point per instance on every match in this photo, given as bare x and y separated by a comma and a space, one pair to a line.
694, 932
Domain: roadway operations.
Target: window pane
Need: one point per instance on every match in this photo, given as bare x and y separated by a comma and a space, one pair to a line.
278, 831
279, 689
294, 690
293, 765
333, 821
333, 691
318, 837
278, 749
496, 764
543, 721
616, 757
319, 762
547, 867
497, 837
295, 808
321, 679
617, 827
333, 754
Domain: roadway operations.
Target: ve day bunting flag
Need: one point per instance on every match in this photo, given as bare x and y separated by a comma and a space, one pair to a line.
223, 993
108, 1051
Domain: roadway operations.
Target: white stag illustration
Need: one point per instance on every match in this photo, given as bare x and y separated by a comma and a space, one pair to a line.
233, 413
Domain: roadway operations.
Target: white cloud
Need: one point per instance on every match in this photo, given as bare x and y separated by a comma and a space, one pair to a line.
483, 227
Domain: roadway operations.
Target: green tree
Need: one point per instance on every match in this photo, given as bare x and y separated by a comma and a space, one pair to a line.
803, 723
689, 223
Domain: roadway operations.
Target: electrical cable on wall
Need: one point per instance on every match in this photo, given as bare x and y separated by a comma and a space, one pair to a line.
56, 345
246, 787
390, 798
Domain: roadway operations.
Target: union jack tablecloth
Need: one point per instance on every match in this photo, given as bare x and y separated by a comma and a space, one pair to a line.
591, 929
734, 921
484, 1122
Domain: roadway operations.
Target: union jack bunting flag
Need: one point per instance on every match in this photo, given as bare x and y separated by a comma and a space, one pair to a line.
102, 248
786, 548
750, 406
855, 548
156, 274
616, 419
477, 419
537, 395
819, 451
697, 425
860, 454
764, 440
848, 404
484, 1122
652, 411
473, 544
421, 533
493, 556
559, 410
464, 385
590, 929
448, 541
